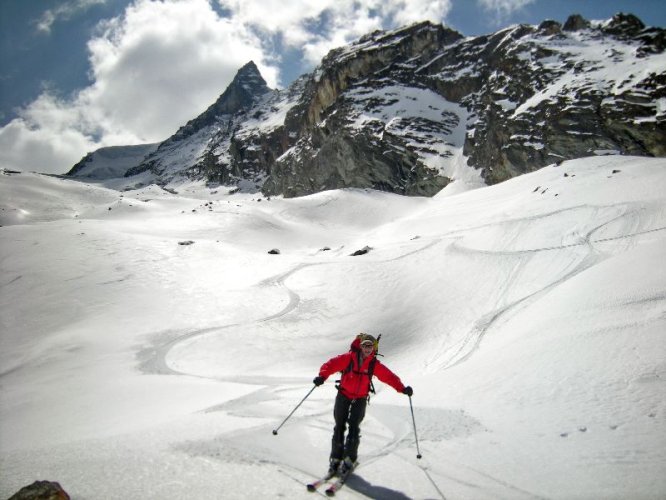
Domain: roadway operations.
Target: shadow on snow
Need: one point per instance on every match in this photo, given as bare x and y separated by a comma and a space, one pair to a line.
357, 483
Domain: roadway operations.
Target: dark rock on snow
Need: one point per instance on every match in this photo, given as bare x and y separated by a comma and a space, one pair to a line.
41, 490
362, 251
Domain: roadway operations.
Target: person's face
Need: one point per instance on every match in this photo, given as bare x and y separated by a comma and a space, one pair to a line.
366, 349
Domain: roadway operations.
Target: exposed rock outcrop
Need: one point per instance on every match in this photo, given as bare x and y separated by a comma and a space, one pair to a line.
409, 110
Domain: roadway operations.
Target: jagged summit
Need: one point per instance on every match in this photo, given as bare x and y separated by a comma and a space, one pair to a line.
624, 24
182, 151
247, 86
576, 22
250, 77
405, 41
412, 109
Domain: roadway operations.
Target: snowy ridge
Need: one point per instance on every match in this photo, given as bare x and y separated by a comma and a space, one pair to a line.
612, 65
111, 162
379, 40
413, 110
150, 336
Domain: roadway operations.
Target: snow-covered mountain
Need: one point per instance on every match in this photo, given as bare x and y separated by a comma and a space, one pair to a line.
111, 162
149, 343
410, 110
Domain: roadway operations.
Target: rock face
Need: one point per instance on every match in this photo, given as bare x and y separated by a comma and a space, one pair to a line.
409, 110
366, 120
568, 94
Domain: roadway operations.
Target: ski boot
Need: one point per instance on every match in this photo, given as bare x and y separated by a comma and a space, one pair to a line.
333, 467
346, 466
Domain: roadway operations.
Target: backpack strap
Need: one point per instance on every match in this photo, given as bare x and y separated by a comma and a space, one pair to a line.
350, 367
371, 371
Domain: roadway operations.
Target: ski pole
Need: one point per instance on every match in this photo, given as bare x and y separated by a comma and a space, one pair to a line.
275, 431
411, 408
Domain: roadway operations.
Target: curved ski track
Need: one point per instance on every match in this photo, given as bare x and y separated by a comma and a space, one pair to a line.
458, 353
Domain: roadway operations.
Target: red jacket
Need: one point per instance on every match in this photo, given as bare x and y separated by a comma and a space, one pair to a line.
355, 384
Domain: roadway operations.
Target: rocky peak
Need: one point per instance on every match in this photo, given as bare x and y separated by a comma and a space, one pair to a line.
576, 22
624, 25
244, 90
550, 27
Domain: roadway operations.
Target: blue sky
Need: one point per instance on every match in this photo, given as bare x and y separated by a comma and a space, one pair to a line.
76, 75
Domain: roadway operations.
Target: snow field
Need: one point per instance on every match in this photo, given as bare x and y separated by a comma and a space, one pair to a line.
528, 317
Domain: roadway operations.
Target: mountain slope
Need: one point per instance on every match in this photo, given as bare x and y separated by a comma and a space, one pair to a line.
408, 111
110, 162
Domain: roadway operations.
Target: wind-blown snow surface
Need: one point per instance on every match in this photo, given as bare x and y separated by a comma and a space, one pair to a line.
528, 317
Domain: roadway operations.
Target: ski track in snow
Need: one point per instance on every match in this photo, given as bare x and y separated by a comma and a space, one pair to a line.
156, 359
455, 355
485, 483
156, 362
470, 343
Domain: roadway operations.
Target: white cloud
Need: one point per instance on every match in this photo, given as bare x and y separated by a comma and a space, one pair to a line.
163, 62
63, 11
151, 73
502, 9
170, 70
44, 138
319, 26
410, 11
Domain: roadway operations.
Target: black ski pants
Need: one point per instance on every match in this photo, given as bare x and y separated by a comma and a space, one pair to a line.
347, 412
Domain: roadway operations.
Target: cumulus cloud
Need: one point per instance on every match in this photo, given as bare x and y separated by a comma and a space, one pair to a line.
151, 72
502, 9
317, 27
163, 62
46, 137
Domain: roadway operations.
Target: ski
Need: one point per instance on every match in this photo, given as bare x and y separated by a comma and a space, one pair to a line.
339, 483
316, 484
333, 489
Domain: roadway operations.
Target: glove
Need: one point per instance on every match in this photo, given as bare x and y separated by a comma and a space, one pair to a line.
408, 391
318, 380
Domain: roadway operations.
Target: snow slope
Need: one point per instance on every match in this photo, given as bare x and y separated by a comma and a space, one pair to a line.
528, 317
111, 162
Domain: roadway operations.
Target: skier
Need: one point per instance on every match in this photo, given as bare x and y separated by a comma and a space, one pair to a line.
357, 367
